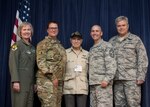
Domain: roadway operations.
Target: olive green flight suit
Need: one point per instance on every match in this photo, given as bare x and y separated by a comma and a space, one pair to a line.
21, 65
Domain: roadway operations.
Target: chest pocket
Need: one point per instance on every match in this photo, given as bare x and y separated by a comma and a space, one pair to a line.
28, 54
53, 55
129, 49
129, 46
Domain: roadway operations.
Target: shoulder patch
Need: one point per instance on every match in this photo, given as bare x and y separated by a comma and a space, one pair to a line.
14, 47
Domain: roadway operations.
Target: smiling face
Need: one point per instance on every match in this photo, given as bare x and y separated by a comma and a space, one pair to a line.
122, 27
76, 42
96, 33
26, 32
52, 30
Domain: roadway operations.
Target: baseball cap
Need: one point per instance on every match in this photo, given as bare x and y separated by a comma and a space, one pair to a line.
76, 34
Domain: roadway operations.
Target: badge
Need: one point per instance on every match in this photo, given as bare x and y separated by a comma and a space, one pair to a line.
14, 47
78, 68
28, 52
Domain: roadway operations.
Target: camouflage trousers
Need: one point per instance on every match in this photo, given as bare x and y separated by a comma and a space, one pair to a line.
101, 97
127, 94
49, 95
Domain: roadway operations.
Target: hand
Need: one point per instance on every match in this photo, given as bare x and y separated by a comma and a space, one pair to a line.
55, 82
35, 88
104, 84
16, 87
139, 82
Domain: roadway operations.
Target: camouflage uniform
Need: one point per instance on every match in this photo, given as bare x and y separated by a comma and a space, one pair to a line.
102, 67
51, 60
132, 63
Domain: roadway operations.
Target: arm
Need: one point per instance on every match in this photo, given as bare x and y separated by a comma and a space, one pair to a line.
13, 63
142, 62
13, 67
41, 58
47, 60
110, 65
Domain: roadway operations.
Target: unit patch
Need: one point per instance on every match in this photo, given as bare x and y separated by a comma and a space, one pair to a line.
14, 47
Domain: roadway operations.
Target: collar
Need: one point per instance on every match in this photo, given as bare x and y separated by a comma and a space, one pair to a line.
100, 42
25, 42
72, 50
52, 40
127, 36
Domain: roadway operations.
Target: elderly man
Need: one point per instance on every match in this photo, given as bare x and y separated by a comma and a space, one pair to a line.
75, 80
132, 63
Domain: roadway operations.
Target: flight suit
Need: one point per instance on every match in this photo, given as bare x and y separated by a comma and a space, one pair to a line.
21, 65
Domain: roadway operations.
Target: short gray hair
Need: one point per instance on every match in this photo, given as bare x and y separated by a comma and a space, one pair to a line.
120, 18
22, 25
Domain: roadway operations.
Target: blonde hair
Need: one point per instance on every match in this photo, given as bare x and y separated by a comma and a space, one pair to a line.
22, 25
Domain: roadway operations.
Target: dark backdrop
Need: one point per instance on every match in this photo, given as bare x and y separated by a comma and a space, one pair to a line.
73, 15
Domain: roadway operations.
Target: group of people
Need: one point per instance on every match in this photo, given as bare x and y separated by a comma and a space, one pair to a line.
111, 72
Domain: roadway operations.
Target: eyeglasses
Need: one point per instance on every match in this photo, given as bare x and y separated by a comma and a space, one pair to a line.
53, 28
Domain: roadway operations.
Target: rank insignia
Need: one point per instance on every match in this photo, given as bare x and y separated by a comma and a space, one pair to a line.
14, 47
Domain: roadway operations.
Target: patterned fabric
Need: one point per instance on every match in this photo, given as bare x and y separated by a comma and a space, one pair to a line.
51, 61
102, 65
131, 57
101, 97
48, 94
132, 63
127, 94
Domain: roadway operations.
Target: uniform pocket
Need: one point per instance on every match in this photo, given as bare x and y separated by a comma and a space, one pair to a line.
83, 85
44, 87
69, 82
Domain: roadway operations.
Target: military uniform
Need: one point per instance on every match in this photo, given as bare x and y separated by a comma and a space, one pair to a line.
132, 63
21, 65
51, 60
75, 79
102, 67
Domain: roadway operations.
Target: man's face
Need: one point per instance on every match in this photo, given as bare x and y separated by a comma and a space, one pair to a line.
122, 27
96, 33
52, 30
76, 42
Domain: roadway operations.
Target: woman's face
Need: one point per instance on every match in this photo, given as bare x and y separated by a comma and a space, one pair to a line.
52, 30
26, 32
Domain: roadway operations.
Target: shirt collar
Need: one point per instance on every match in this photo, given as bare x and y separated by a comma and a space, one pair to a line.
100, 42
53, 40
25, 42
127, 36
71, 49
